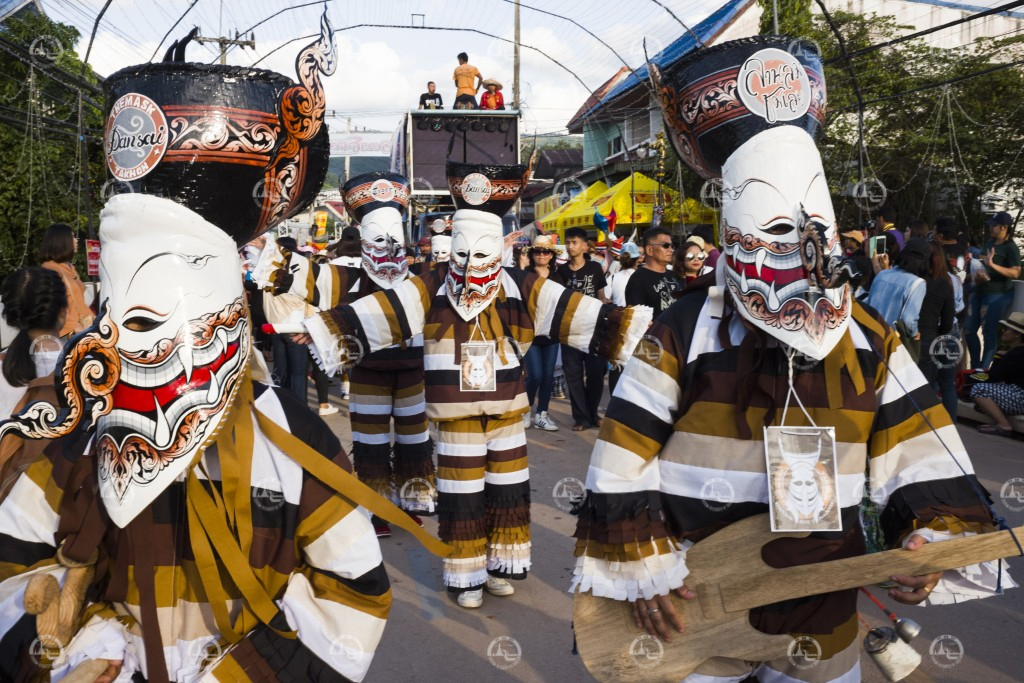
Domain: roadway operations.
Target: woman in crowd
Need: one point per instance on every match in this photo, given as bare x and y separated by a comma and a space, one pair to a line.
1003, 393
897, 293
35, 303
540, 358
56, 252
939, 348
689, 261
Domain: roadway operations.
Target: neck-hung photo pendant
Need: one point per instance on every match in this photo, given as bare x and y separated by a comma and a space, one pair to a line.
802, 475
478, 369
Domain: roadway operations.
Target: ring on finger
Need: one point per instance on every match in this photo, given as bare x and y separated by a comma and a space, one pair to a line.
653, 611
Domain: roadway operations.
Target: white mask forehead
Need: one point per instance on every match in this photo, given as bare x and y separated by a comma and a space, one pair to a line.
769, 178
380, 224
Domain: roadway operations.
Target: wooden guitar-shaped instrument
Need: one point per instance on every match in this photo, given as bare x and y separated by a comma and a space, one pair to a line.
730, 578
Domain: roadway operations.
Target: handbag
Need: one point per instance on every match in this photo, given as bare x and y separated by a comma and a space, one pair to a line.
913, 344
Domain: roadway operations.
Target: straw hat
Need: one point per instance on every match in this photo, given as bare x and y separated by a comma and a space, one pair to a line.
543, 242
698, 241
855, 235
490, 82
1015, 321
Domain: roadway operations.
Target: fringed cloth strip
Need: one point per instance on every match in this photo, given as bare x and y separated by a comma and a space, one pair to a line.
346, 484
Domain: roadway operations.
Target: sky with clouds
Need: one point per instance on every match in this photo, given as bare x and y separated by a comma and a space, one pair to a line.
385, 63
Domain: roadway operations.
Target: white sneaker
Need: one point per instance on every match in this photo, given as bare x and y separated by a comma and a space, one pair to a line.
543, 421
499, 587
329, 410
471, 599
527, 421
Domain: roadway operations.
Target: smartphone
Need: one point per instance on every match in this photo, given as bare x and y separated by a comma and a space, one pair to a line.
876, 245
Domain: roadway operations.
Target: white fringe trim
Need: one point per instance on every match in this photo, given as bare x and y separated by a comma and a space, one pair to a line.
966, 583
638, 324
654, 575
326, 349
513, 558
465, 573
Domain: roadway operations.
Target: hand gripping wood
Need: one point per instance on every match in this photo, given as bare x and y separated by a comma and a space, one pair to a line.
730, 578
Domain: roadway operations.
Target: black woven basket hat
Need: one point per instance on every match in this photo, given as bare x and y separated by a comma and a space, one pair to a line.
370, 191
244, 148
493, 188
716, 98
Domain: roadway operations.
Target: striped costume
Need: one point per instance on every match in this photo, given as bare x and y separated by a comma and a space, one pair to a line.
312, 552
681, 455
483, 479
386, 386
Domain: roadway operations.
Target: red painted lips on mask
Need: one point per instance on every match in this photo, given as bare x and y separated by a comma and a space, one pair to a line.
140, 400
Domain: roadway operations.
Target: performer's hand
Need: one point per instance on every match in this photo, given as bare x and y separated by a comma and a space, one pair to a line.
112, 672
303, 339
922, 584
656, 614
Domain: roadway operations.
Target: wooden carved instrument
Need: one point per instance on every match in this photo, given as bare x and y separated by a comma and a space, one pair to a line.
730, 578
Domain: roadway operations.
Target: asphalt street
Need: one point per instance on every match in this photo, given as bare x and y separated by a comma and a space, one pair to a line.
527, 637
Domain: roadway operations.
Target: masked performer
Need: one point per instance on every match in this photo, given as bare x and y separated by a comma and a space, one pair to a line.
387, 385
477, 319
210, 530
681, 452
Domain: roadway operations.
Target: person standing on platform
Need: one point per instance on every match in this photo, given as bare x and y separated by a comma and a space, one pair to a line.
467, 83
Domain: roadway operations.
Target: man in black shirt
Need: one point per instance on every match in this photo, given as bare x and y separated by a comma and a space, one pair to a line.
582, 275
430, 99
654, 284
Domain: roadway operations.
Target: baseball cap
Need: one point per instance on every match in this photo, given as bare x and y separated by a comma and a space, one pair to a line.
631, 250
855, 235
1001, 218
350, 234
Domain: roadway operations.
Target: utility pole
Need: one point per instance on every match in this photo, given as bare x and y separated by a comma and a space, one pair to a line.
775, 16
224, 42
515, 64
348, 157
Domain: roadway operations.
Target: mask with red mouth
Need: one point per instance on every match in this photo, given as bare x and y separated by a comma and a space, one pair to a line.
746, 111
174, 296
208, 157
378, 201
482, 195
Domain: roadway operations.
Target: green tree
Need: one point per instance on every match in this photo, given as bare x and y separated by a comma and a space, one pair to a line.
39, 146
936, 149
794, 17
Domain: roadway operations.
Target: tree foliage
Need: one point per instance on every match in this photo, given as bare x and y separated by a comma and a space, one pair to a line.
936, 149
794, 17
43, 168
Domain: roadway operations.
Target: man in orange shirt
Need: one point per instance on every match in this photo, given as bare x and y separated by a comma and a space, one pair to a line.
466, 89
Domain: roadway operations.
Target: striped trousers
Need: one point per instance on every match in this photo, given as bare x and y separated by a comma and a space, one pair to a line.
405, 475
483, 485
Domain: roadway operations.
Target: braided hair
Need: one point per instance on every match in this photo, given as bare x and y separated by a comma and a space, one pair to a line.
33, 299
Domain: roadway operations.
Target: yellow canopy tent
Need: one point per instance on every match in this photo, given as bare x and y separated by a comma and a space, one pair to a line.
633, 199
550, 221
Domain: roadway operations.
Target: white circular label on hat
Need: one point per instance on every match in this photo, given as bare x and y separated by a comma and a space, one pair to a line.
437, 226
476, 189
774, 85
135, 138
382, 190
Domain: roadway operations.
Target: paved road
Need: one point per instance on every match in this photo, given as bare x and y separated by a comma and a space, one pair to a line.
429, 638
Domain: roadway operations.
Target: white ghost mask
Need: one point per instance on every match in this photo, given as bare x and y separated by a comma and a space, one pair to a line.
441, 248
782, 259
174, 296
476, 254
383, 244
